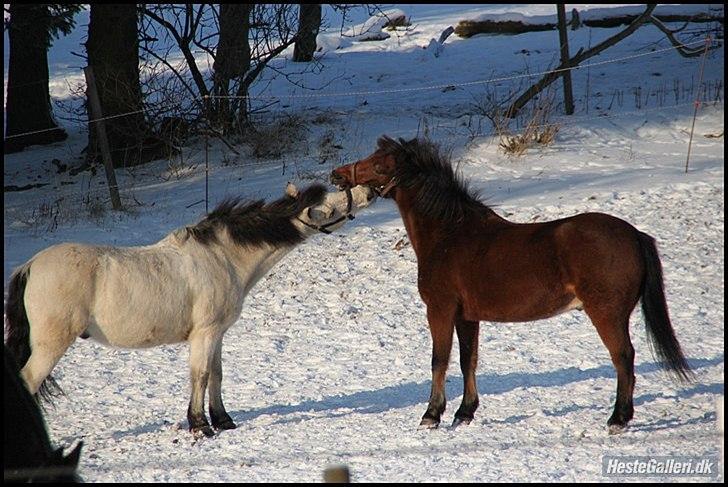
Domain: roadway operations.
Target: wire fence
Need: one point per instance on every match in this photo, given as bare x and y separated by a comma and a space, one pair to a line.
439, 86
455, 127
450, 129
442, 86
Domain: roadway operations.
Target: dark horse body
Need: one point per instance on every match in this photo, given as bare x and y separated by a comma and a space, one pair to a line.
474, 265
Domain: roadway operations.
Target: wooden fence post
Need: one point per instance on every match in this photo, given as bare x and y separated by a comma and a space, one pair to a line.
566, 74
97, 115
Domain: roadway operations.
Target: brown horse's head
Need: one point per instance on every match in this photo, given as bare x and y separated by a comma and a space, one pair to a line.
378, 171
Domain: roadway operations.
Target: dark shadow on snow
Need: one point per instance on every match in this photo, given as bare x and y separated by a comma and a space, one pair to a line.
413, 393
417, 393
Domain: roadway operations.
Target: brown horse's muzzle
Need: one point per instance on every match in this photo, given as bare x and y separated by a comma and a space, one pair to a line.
342, 177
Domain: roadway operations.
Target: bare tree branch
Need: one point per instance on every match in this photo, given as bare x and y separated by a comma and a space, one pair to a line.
679, 46
577, 59
184, 45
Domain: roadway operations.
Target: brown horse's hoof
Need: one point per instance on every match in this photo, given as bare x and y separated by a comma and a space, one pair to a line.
204, 430
428, 424
226, 425
615, 429
461, 422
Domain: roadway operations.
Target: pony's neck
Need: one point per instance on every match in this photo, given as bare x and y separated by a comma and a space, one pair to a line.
252, 263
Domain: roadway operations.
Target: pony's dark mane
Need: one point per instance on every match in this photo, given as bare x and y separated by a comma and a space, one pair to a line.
442, 194
254, 223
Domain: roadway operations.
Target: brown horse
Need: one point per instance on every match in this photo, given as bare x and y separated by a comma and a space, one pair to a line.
474, 265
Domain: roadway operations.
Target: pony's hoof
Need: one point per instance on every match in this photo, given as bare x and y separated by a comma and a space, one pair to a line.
226, 425
461, 422
428, 424
615, 429
204, 430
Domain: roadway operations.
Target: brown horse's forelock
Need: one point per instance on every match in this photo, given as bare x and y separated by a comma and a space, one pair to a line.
442, 194
255, 223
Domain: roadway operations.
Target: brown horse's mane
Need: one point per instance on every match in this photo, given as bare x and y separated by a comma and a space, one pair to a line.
441, 193
253, 223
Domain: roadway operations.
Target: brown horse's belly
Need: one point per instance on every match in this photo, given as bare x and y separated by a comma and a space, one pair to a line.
521, 310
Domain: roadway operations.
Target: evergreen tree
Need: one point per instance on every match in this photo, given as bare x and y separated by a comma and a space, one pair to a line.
31, 30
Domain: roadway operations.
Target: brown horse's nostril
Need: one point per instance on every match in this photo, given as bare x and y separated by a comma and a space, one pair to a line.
338, 179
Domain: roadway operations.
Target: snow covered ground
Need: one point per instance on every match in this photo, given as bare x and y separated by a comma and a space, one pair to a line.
329, 362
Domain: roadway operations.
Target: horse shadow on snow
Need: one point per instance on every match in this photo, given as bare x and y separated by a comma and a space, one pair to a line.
408, 394
415, 393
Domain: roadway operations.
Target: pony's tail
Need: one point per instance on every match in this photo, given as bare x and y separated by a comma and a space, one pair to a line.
16, 319
18, 331
660, 333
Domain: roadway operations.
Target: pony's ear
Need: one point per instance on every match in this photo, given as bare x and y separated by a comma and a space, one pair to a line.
292, 190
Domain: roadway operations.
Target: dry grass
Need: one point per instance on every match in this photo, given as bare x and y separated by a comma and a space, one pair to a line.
536, 129
329, 149
274, 140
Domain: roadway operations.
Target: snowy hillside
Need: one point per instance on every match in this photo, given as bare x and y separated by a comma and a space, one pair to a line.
329, 362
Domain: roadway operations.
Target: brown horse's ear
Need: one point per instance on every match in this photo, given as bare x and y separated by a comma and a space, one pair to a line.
292, 190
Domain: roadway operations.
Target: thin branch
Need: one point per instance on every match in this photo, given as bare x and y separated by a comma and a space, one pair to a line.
679, 46
185, 48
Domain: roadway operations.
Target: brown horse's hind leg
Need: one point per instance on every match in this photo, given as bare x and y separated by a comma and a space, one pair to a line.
442, 325
614, 332
468, 338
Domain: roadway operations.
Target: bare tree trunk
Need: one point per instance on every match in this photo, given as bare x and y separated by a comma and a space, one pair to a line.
113, 53
564, 42
232, 60
242, 40
578, 58
28, 103
309, 23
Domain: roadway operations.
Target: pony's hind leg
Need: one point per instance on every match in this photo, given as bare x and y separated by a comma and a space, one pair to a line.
441, 328
468, 339
614, 332
202, 349
46, 351
219, 417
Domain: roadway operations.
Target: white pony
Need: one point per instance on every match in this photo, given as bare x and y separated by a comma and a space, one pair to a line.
189, 286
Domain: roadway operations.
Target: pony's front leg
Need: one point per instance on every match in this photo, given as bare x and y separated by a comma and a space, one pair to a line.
220, 418
202, 349
441, 329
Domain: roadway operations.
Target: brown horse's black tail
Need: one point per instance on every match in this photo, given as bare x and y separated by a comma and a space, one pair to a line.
660, 333
18, 330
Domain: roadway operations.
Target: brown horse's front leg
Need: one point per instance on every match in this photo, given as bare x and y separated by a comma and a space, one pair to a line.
468, 339
441, 329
